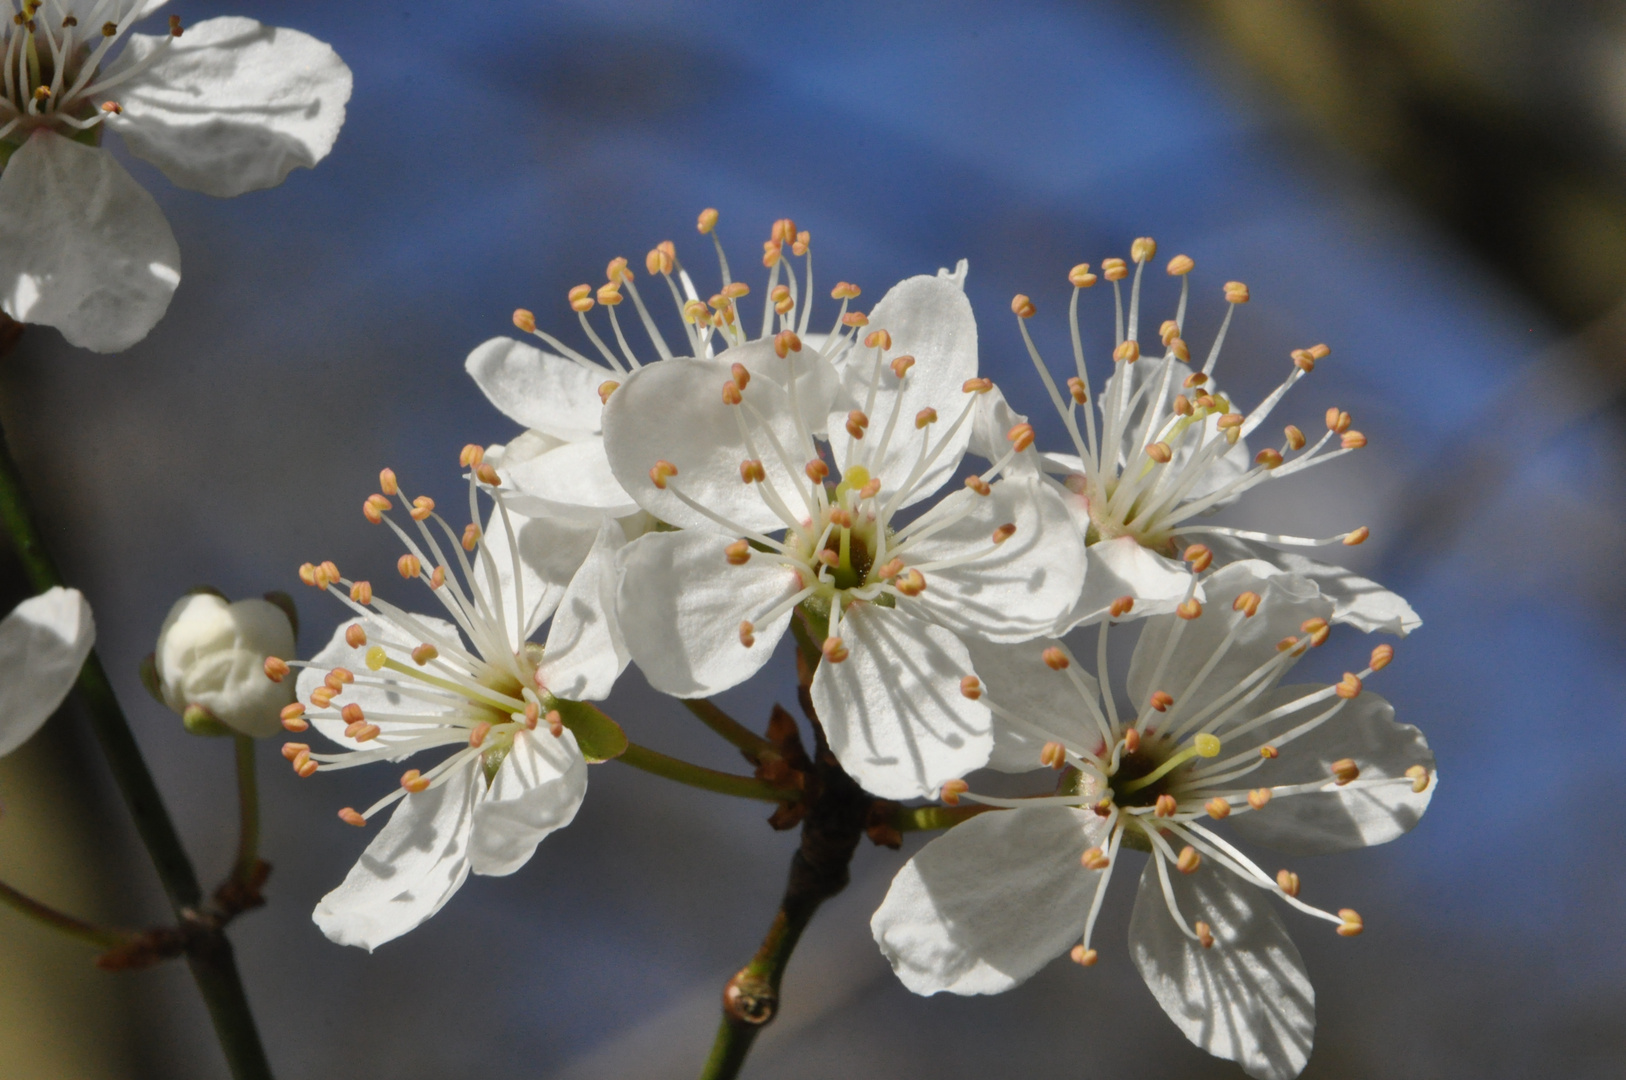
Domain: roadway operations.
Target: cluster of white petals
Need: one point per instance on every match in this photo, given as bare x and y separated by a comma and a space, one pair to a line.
224, 107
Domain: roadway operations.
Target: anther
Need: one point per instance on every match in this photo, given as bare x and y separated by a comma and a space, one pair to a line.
977, 386
1288, 882
738, 553
1020, 437
423, 654
1132, 740
331, 571
293, 717
1081, 277
322, 697
1229, 420
695, 311
1075, 387
734, 290
1270, 459
1337, 421
1160, 452
978, 484
871, 489
856, 423
1161, 700
841, 518
1200, 556
471, 455
1103, 808
1218, 808
1247, 603
414, 781
1236, 292
1053, 755
109, 29
845, 290
1381, 656
1351, 923
878, 339
658, 262
833, 650
471, 536
742, 377
1419, 779
174, 26
1259, 797
1004, 532
306, 768
786, 342
112, 108
1295, 437
349, 816
1319, 352
1143, 249
1289, 644
1188, 862
1121, 607
437, 577
373, 509
1166, 806
1196, 378
1352, 440
855, 318
1169, 331
355, 636
1022, 306
1317, 628
42, 94
352, 714
487, 474
1114, 269
708, 221
1269, 753
952, 790
662, 471
1128, 352
1349, 686
1358, 536
1095, 859
275, 669
339, 678
1344, 770
581, 298
816, 471
902, 364
971, 687
362, 592
731, 392
525, 320
1181, 265
1055, 659
1190, 609
925, 416
408, 566
752, 470
1182, 351
748, 635
1303, 360
292, 750
890, 569
1084, 957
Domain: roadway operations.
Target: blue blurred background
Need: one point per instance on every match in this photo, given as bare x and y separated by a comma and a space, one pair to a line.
497, 153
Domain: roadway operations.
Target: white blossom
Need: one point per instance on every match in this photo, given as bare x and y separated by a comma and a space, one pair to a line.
223, 107
43, 644
1161, 446
212, 653
392, 684
1211, 736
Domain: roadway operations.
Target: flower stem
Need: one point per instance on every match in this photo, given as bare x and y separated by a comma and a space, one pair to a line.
212, 963
684, 772
99, 936
248, 807
748, 741
927, 818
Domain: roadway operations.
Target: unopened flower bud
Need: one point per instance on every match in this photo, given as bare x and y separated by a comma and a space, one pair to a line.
213, 658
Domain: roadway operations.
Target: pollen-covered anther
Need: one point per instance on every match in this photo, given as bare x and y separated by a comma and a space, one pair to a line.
1357, 536
901, 365
581, 299
350, 817
1200, 556
751, 470
1317, 628
423, 654
322, 697
951, 791
878, 339
1295, 437
1338, 421
1344, 770
1288, 882
977, 386
1352, 440
803, 241
1183, 406
293, 717
1190, 609
1161, 700
1181, 265
1004, 533
175, 28
856, 423
1350, 923
605, 389
1127, 352
414, 781
1103, 808
42, 94
487, 474
1349, 686
1055, 658
1247, 603
1205, 934
707, 221
978, 484
1143, 249
911, 583
352, 714
890, 569
925, 416
1020, 437
1292, 644
1121, 607
1053, 755
362, 592
738, 553
1218, 808
373, 509
661, 472
1167, 806
1160, 452
786, 342
834, 650
748, 636
1114, 269
695, 311
355, 636
471, 455
408, 566
1236, 292
1075, 387
1269, 753
1132, 740
840, 517
871, 489
1381, 657
437, 577
845, 290
1196, 378
658, 261
525, 320
731, 393
855, 318
555, 722
275, 669
971, 688
1303, 360
387, 483
1022, 306
1080, 276
1419, 779
1270, 459
1169, 331
1095, 859
817, 471
292, 750
1258, 798
471, 536
1190, 859
1084, 957
112, 108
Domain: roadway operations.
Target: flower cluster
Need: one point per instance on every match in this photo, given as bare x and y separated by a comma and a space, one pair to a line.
683, 506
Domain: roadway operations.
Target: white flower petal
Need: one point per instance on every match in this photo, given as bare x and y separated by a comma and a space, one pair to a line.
893, 710
817, 382
233, 105
212, 653
43, 644
1016, 678
681, 605
83, 247
1021, 588
990, 902
585, 651
674, 411
571, 480
537, 790
992, 420
1247, 998
551, 550
1122, 567
930, 319
412, 867
1345, 818
375, 701
546, 393
1286, 602
1356, 601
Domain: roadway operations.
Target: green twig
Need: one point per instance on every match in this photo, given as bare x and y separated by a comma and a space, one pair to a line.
744, 738
248, 808
926, 818
99, 936
744, 787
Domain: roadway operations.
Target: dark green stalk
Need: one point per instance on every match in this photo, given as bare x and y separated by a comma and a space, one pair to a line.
248, 807
744, 787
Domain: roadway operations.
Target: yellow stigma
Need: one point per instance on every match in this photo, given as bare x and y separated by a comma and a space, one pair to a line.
1207, 745
376, 658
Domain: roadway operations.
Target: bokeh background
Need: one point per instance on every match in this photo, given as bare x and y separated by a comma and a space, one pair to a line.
1435, 188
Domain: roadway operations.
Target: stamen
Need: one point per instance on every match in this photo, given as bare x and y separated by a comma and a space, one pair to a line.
971, 687
1344, 770
349, 816
1218, 808
1351, 922
952, 790
275, 669
1258, 798
1189, 860
1288, 882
